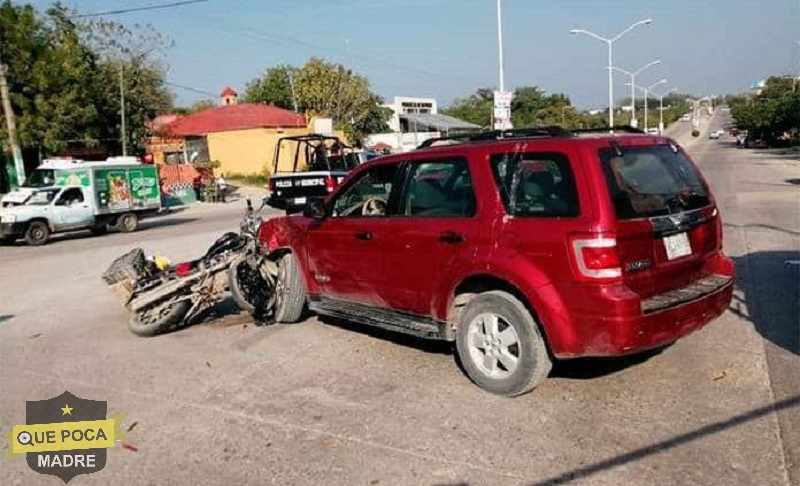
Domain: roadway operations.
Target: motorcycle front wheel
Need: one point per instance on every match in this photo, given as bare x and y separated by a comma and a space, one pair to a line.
249, 290
156, 320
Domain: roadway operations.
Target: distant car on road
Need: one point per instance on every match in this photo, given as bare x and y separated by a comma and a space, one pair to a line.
686, 117
714, 135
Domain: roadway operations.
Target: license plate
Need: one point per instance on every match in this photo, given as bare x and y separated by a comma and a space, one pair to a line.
299, 200
677, 246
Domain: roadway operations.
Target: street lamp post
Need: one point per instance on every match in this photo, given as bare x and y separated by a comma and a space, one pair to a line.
632, 75
610, 43
661, 108
646, 94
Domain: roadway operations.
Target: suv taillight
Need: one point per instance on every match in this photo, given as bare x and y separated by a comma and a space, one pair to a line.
331, 184
271, 185
596, 257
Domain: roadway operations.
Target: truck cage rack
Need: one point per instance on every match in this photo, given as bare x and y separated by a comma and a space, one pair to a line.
522, 133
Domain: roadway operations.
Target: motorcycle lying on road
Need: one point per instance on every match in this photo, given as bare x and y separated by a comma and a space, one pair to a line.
164, 297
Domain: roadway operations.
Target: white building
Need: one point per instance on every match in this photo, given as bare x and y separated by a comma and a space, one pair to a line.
415, 120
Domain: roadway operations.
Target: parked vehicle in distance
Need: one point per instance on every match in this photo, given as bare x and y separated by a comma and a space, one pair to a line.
686, 117
87, 196
318, 163
713, 135
519, 246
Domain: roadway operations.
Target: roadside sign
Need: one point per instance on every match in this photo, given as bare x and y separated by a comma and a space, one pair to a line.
502, 110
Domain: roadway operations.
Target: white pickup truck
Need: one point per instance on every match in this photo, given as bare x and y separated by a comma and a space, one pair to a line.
85, 196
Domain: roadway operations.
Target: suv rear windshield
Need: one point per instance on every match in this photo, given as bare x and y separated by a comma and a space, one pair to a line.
652, 181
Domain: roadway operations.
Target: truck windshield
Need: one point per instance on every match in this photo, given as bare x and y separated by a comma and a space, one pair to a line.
40, 178
652, 181
43, 197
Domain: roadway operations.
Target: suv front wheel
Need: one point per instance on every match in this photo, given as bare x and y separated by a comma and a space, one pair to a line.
500, 345
290, 291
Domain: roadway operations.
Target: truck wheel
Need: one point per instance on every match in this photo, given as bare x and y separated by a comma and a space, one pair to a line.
158, 320
37, 233
290, 291
128, 223
500, 346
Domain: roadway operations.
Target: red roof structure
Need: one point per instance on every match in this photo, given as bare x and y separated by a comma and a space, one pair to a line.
234, 117
228, 91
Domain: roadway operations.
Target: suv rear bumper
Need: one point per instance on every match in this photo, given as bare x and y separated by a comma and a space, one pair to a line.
626, 324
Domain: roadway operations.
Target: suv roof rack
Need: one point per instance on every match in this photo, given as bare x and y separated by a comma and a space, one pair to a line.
540, 132
615, 128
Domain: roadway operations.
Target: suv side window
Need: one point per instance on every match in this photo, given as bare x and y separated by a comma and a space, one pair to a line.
440, 188
536, 184
368, 195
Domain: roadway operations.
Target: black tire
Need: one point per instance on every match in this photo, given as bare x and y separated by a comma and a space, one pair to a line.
169, 318
250, 292
99, 230
128, 223
37, 233
532, 363
290, 291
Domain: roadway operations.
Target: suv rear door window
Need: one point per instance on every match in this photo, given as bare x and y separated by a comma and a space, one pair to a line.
536, 184
652, 181
439, 188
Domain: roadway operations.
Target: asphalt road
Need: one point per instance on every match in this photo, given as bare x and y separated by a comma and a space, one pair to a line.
329, 403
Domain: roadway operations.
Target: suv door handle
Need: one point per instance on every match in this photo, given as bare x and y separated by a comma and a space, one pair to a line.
451, 238
364, 236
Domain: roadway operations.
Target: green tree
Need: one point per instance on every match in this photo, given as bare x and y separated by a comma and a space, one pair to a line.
274, 87
476, 108
64, 77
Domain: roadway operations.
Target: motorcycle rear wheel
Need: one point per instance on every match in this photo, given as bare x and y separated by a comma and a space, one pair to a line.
159, 319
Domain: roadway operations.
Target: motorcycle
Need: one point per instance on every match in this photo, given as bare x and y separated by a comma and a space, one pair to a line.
163, 297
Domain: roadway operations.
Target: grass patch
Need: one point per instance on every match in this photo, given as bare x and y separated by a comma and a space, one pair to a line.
249, 179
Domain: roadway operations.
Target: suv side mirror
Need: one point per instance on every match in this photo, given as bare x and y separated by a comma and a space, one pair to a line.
315, 209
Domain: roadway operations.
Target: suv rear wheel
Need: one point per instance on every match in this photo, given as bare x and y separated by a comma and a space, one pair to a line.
500, 345
290, 291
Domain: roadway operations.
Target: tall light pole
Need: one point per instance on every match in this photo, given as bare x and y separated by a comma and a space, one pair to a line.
610, 42
661, 108
500, 45
646, 95
632, 75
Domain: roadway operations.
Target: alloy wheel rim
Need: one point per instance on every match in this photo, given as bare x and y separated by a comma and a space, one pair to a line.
494, 345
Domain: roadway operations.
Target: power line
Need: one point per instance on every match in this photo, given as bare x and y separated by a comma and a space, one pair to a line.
139, 9
189, 88
281, 39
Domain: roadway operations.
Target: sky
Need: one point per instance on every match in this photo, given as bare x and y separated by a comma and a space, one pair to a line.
446, 49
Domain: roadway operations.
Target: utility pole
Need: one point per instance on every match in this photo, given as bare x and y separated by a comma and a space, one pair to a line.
11, 125
291, 83
123, 130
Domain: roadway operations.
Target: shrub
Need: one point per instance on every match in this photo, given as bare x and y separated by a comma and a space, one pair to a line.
695, 133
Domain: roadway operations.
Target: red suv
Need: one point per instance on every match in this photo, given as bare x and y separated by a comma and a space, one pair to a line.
522, 247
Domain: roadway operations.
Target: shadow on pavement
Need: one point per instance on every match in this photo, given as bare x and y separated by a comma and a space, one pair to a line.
429, 346
589, 368
581, 473
770, 282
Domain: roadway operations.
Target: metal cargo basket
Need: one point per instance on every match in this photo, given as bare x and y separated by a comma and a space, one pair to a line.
124, 272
